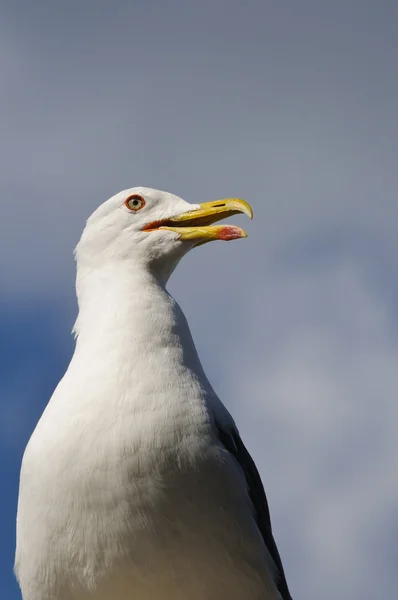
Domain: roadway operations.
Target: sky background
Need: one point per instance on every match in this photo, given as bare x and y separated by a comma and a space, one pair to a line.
292, 106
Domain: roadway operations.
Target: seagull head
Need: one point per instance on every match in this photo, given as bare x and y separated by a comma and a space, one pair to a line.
154, 229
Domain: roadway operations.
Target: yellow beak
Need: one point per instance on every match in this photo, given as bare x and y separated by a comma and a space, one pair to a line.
197, 225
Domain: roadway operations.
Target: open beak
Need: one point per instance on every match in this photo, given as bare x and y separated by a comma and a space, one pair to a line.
197, 225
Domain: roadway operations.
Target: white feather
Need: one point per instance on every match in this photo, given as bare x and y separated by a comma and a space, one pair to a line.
125, 492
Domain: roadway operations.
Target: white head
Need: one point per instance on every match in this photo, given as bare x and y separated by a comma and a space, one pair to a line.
153, 229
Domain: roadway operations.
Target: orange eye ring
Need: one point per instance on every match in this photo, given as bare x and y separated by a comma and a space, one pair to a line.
134, 202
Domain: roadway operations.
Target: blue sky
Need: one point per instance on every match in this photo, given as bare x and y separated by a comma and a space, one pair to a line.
292, 106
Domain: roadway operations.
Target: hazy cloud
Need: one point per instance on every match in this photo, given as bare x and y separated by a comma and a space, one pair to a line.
292, 107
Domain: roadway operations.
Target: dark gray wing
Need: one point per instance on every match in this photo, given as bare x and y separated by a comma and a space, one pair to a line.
232, 442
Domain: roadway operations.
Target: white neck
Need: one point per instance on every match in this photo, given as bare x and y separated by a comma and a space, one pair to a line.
130, 329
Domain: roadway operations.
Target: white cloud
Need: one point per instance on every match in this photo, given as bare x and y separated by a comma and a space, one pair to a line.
313, 384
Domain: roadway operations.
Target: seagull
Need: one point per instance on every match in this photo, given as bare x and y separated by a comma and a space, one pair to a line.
135, 484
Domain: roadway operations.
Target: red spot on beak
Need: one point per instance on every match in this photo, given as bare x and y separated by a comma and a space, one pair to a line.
229, 232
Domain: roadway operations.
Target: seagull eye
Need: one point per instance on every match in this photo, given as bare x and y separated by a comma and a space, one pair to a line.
135, 202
